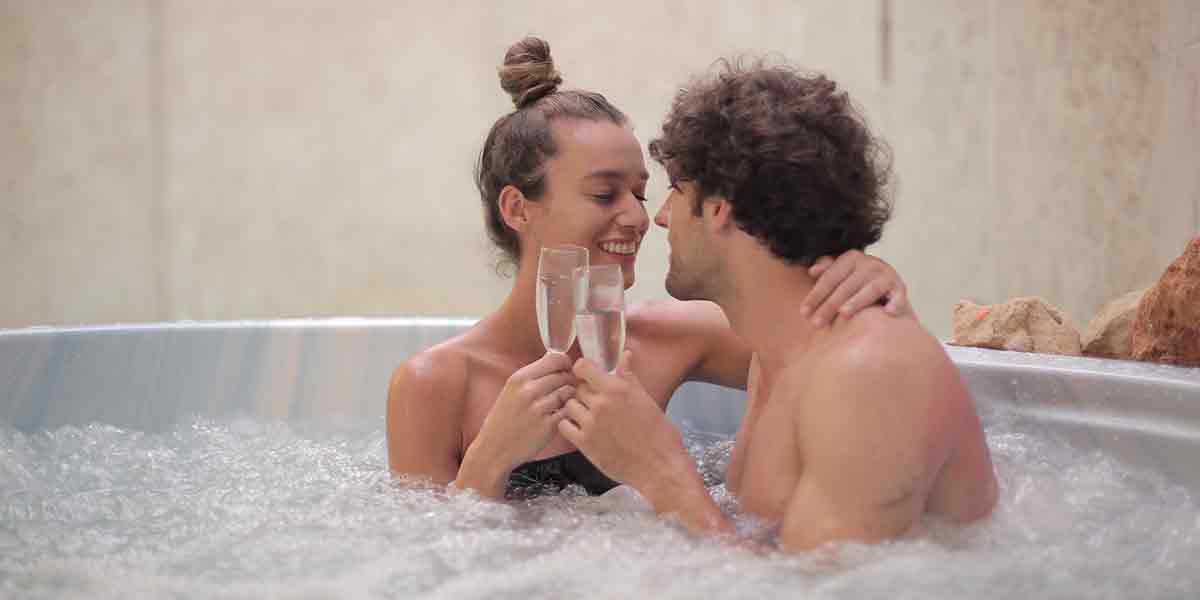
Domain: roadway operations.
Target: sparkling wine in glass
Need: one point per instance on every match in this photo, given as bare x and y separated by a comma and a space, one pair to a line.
600, 314
556, 295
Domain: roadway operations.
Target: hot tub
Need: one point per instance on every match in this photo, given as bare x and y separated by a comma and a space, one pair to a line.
248, 460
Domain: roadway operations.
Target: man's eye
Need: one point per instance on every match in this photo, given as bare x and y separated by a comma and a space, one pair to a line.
605, 198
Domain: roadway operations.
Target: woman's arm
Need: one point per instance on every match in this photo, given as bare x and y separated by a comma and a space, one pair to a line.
425, 416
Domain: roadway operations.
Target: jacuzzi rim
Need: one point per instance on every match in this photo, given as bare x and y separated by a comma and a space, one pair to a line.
187, 325
989, 360
984, 359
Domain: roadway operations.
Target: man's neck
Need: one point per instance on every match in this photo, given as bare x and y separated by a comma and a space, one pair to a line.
763, 306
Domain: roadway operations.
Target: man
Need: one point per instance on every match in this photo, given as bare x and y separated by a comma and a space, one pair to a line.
852, 431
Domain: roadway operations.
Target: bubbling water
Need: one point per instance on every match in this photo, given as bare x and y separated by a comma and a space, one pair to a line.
247, 509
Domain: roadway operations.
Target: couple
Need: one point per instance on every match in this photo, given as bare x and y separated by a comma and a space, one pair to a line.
857, 422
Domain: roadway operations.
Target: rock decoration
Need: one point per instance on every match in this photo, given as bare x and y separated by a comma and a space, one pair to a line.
1023, 324
1167, 326
1110, 334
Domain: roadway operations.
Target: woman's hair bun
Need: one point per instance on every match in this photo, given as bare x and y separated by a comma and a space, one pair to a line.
528, 72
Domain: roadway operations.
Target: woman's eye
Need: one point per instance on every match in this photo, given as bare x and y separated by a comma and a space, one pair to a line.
605, 198
641, 199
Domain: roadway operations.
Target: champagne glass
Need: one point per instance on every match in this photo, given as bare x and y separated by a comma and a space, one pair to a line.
600, 313
556, 295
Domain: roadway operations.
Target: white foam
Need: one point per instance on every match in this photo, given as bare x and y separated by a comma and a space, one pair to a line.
250, 509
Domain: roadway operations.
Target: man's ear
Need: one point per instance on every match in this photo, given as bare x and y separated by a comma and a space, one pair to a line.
513, 207
720, 214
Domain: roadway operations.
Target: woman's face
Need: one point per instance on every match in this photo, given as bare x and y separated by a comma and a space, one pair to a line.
595, 194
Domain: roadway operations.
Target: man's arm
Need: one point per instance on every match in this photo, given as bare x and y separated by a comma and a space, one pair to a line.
869, 435
627, 436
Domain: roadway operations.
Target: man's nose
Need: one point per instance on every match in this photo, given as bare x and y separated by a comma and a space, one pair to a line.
663, 217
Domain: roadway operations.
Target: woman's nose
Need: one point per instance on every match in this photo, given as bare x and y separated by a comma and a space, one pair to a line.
634, 215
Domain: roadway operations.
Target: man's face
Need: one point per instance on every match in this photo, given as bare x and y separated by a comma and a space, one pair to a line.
689, 276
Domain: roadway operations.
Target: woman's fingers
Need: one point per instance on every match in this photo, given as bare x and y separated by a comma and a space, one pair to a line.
554, 401
820, 265
550, 362
833, 303
868, 295
829, 279
544, 385
897, 303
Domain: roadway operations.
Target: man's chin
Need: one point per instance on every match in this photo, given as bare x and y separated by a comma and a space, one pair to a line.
673, 288
679, 291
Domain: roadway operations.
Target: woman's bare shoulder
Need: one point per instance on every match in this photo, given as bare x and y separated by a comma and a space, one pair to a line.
675, 318
439, 373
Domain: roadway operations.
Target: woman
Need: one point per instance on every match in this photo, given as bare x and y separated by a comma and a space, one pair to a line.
480, 411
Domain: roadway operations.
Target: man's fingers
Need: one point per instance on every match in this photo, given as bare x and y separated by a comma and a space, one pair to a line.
570, 431
577, 412
588, 371
625, 364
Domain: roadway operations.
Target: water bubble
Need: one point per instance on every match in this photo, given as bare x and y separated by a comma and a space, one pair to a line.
244, 508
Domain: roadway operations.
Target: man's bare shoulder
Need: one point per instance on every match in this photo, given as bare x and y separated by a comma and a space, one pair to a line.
874, 342
874, 357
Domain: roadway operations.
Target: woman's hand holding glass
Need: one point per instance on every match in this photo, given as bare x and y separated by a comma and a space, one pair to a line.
523, 420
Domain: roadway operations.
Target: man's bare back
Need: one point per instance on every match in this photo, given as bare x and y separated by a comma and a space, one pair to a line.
866, 428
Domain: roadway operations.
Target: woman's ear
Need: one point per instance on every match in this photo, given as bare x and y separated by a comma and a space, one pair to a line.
513, 205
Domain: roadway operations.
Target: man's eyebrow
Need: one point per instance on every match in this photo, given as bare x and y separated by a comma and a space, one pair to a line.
614, 174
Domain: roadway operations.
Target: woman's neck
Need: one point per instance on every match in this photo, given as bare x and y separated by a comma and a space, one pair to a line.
514, 324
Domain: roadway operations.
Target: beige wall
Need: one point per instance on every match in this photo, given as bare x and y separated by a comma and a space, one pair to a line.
207, 160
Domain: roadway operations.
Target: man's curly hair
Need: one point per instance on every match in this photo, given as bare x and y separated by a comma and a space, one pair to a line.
790, 153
